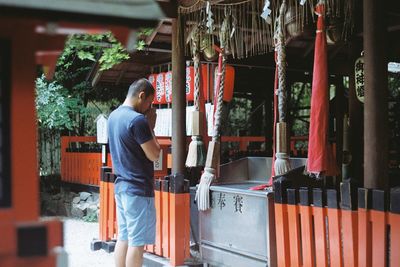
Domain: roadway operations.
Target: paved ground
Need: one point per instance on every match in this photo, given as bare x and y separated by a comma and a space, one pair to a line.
77, 237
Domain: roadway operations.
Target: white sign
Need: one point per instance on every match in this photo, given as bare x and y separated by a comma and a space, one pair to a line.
102, 134
158, 164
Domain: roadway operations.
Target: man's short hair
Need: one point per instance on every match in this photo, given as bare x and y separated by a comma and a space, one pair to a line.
141, 85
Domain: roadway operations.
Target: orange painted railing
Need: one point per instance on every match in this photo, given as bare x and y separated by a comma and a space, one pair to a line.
172, 202
107, 222
81, 167
314, 228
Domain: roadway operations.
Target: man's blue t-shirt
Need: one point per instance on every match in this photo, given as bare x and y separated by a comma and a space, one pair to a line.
127, 130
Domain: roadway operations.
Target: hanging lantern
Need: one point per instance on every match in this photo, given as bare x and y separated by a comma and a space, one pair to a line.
359, 78
205, 82
229, 82
152, 80
159, 97
190, 82
168, 86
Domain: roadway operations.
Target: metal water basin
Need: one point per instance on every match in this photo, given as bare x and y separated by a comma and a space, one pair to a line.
238, 230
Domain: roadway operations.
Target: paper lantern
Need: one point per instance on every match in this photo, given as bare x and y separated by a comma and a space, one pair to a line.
229, 82
159, 97
205, 82
190, 82
152, 80
168, 86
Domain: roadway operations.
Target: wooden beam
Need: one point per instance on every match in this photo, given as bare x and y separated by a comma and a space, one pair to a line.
96, 78
150, 38
56, 15
121, 74
169, 7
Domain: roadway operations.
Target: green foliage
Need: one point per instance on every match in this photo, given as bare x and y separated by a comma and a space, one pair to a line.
142, 34
146, 31
54, 106
299, 107
239, 114
86, 55
112, 56
140, 45
72, 90
82, 50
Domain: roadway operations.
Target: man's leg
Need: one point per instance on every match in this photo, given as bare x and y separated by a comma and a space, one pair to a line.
134, 257
122, 242
120, 253
140, 221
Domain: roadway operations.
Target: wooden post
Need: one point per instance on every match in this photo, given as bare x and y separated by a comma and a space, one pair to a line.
339, 113
178, 98
376, 96
179, 198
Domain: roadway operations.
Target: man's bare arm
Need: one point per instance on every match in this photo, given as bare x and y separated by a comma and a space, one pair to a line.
151, 149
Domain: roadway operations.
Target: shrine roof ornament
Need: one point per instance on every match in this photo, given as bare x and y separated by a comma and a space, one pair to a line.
254, 21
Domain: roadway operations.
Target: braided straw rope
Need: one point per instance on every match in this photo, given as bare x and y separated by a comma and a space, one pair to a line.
220, 100
196, 63
281, 62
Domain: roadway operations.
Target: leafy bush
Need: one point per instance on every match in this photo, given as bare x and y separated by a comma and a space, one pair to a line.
55, 107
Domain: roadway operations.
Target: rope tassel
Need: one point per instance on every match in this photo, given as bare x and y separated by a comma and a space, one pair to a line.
282, 163
196, 156
197, 150
212, 160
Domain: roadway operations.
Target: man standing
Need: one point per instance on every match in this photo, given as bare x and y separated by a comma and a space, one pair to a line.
133, 149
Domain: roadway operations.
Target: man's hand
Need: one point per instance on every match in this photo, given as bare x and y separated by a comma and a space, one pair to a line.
151, 116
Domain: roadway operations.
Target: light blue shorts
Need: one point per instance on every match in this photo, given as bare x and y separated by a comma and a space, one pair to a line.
136, 217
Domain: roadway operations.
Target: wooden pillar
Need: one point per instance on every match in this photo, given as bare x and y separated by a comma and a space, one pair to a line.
376, 96
356, 127
339, 113
179, 205
178, 98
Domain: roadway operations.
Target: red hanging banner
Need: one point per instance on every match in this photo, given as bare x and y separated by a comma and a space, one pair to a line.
320, 156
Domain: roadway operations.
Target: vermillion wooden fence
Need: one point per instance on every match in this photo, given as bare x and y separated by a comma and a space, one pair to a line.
349, 227
80, 160
172, 202
81, 156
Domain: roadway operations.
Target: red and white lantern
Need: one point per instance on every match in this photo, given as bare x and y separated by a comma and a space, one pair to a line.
229, 82
152, 80
168, 86
159, 97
